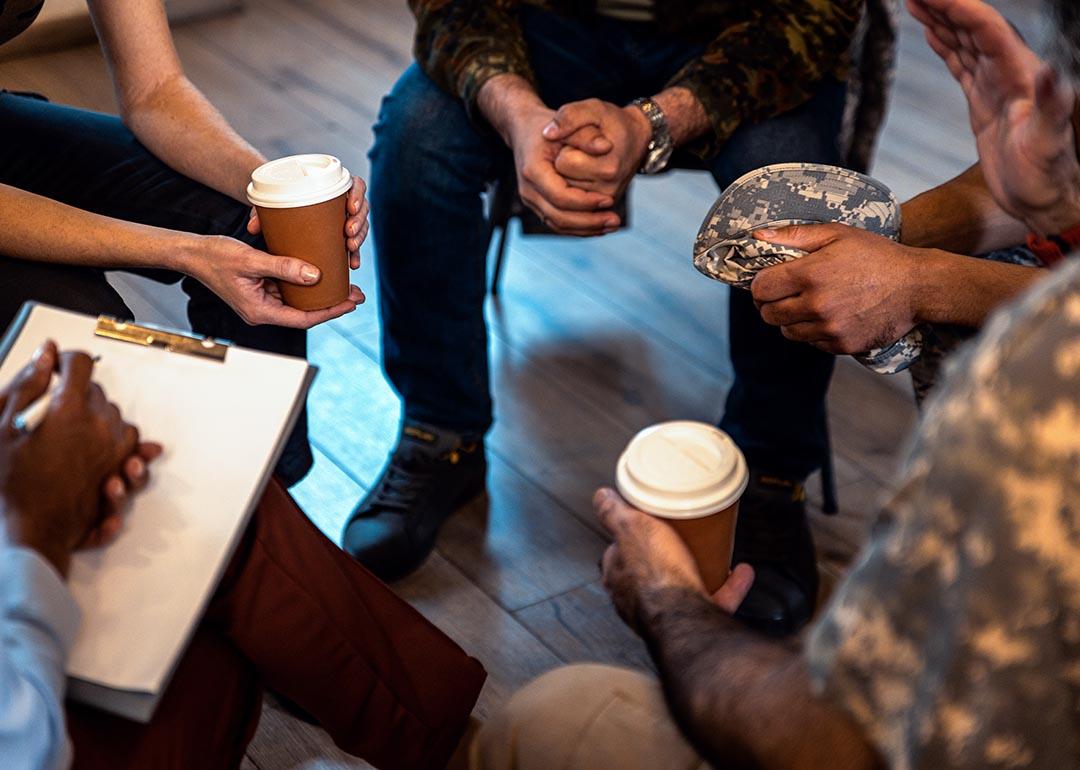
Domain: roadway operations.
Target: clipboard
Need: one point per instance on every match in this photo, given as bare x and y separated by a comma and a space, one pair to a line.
223, 414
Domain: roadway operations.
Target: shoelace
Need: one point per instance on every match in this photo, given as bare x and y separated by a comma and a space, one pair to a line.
406, 480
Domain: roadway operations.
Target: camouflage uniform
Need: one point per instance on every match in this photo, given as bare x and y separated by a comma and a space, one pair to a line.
762, 58
955, 641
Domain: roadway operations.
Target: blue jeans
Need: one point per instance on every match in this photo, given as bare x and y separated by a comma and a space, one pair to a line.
93, 162
430, 164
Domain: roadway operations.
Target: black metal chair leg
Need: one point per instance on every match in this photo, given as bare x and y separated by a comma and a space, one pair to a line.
500, 255
829, 503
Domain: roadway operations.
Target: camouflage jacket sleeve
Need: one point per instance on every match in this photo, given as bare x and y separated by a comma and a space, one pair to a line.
767, 60
461, 44
955, 639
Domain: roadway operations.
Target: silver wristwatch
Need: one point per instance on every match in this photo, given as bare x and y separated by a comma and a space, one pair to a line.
658, 153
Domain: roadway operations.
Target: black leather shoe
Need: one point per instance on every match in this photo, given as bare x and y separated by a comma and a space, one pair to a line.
773, 536
430, 474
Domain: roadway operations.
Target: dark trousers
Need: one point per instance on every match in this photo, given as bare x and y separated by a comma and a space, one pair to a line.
91, 161
430, 164
296, 614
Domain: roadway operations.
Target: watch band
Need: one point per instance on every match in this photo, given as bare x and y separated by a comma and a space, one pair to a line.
1054, 248
658, 153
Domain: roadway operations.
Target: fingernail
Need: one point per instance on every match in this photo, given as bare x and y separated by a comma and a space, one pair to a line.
138, 467
39, 356
764, 233
309, 274
611, 224
550, 128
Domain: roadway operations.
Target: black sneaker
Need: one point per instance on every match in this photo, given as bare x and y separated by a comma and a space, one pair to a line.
773, 536
430, 474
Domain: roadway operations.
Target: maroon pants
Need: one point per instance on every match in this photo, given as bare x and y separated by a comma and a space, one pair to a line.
296, 614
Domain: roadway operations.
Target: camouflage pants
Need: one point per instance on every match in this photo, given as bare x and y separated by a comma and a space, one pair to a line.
940, 341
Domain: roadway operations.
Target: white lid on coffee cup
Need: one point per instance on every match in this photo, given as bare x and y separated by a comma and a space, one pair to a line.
298, 180
681, 470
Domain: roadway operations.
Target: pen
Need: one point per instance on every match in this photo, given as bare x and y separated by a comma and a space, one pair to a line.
33, 415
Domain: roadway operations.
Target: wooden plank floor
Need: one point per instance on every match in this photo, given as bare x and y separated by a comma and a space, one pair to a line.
585, 352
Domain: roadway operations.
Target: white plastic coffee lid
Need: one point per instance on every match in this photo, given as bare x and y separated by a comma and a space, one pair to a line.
298, 180
681, 470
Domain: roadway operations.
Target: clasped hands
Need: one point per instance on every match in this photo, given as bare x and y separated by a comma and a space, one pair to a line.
65, 485
574, 163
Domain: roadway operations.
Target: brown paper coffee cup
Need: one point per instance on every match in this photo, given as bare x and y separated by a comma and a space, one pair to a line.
711, 539
302, 205
315, 234
691, 475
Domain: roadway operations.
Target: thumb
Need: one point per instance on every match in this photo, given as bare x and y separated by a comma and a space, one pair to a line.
288, 269
254, 226
805, 237
731, 594
30, 383
590, 139
568, 120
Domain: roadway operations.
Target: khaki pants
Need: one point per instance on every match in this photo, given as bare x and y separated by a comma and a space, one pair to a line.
585, 717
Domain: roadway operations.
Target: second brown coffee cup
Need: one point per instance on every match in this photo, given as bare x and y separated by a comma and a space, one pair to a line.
691, 475
302, 205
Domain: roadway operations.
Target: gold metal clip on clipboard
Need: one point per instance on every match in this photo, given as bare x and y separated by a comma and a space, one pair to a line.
151, 336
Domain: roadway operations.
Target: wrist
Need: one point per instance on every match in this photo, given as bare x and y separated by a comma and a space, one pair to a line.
686, 116
641, 132
188, 253
507, 101
20, 532
931, 285
654, 601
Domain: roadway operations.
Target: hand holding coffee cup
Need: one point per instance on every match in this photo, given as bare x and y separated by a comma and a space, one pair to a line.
648, 565
689, 475
311, 208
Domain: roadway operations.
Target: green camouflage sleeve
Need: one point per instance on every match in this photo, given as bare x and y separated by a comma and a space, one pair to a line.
767, 60
955, 640
461, 44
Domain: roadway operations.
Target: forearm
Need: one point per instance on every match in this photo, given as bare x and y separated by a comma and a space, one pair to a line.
960, 290
43, 230
960, 216
686, 116
37, 629
505, 98
184, 130
743, 700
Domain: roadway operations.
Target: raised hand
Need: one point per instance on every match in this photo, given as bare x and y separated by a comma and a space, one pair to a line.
1020, 112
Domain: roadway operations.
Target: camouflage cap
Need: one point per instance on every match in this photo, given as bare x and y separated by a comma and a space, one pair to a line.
797, 193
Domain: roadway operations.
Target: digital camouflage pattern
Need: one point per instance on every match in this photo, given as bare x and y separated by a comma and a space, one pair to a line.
940, 341
797, 193
762, 58
955, 640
